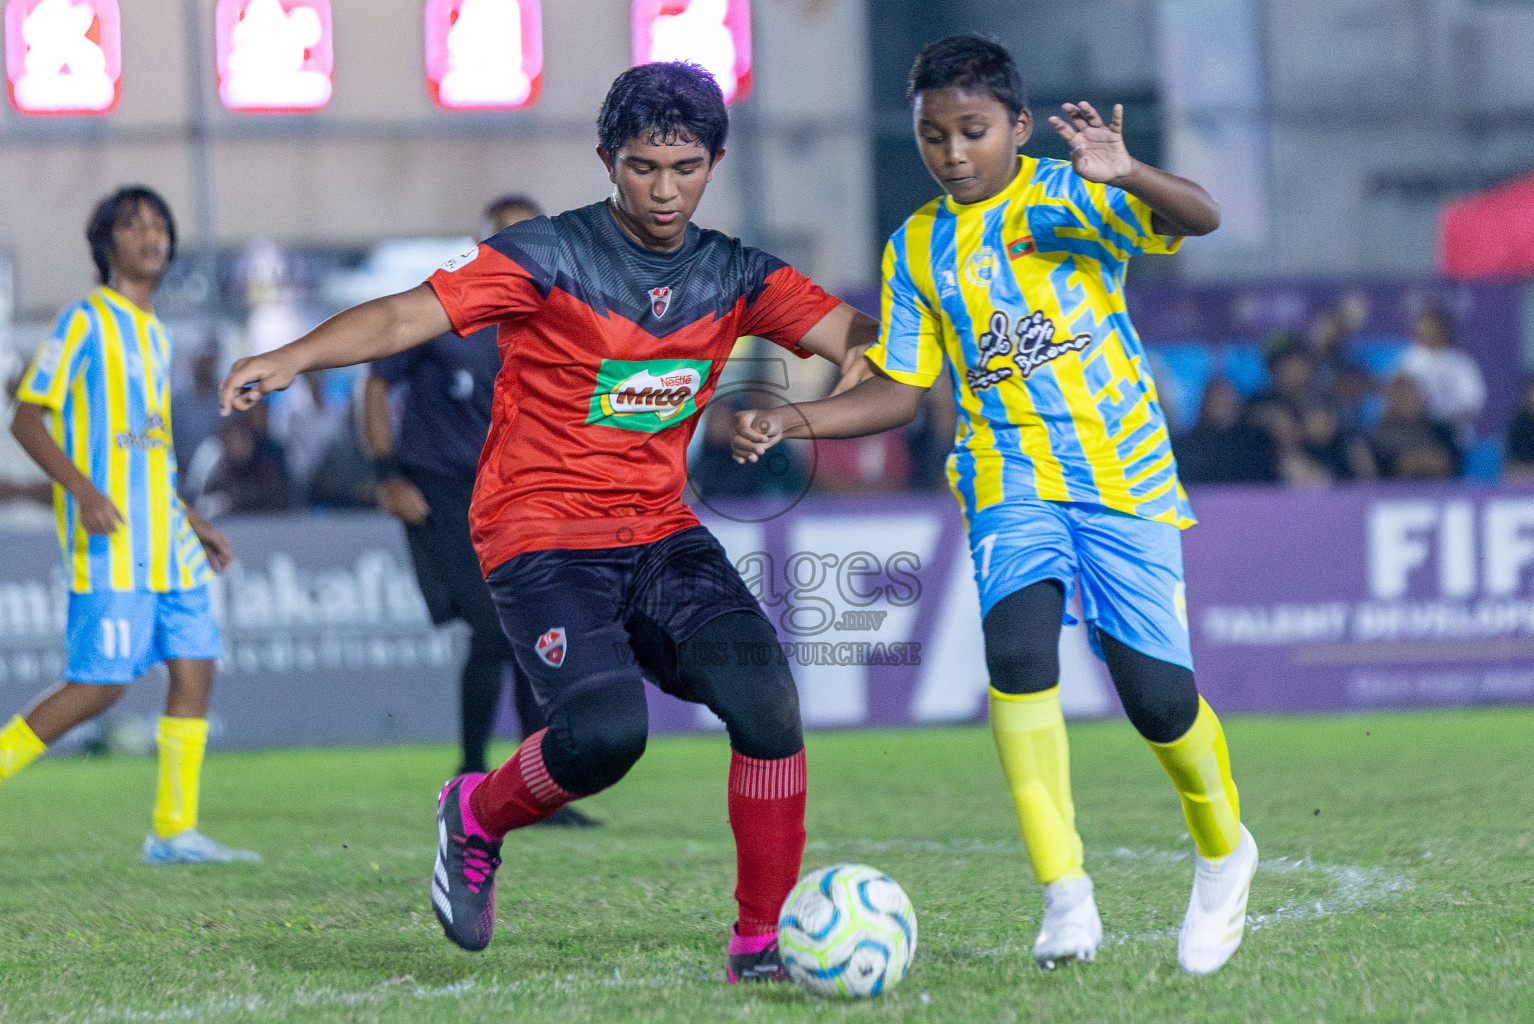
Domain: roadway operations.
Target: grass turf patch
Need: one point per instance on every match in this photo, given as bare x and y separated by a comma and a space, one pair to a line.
1395, 885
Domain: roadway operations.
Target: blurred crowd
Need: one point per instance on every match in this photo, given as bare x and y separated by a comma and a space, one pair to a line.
1322, 416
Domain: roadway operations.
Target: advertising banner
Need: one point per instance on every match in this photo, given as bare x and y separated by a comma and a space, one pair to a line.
1326, 600
1362, 597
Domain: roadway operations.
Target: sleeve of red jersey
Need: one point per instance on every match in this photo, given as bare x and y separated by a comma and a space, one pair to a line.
787, 307
484, 286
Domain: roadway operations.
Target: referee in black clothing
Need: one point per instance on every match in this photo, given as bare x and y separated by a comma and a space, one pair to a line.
425, 479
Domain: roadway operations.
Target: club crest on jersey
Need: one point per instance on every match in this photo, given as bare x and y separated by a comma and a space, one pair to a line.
647, 395
980, 268
660, 298
551, 647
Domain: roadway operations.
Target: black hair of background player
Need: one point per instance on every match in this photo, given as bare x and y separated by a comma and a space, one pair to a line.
969, 61
98, 231
664, 102
513, 200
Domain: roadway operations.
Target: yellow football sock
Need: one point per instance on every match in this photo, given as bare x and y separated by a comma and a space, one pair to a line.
181, 742
1200, 769
1029, 730
19, 747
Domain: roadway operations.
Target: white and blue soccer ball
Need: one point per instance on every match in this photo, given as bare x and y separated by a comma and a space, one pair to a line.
847, 930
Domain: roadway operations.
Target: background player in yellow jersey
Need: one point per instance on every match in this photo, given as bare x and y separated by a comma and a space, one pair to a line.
94, 412
1062, 462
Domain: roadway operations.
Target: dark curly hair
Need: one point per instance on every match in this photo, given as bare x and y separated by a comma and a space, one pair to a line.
98, 232
969, 61
664, 102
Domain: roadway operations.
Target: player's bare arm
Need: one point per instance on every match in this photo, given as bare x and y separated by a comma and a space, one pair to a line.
215, 543
361, 334
877, 404
30, 428
842, 336
1098, 153
396, 495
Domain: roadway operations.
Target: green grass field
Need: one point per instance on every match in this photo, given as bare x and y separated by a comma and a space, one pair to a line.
1397, 884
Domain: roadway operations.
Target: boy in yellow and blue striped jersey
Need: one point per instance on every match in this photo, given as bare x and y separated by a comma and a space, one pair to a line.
1062, 465
94, 412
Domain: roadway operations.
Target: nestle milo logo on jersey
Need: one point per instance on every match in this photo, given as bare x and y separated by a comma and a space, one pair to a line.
648, 394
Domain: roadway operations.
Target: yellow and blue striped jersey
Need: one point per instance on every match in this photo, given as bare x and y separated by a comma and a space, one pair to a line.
1024, 293
104, 376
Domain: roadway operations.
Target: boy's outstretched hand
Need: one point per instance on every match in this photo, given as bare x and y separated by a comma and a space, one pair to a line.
1097, 150
251, 379
756, 430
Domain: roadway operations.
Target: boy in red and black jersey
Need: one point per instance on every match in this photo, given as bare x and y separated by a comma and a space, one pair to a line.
614, 321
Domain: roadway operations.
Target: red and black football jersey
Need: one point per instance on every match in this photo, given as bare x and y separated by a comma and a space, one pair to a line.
608, 352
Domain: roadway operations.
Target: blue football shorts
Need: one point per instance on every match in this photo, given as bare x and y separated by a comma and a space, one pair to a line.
1130, 569
115, 636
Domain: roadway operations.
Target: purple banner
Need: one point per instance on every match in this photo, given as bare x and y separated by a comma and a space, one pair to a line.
1362, 597
1322, 600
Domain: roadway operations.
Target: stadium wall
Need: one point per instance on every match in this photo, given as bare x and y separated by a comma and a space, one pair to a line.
1298, 601
381, 161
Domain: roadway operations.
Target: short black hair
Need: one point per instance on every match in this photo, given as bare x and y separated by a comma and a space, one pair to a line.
969, 61
664, 102
98, 232
513, 199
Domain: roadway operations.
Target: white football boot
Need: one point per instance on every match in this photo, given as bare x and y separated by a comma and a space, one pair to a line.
1071, 929
1216, 919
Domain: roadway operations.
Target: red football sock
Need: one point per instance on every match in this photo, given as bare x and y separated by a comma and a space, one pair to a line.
767, 816
519, 792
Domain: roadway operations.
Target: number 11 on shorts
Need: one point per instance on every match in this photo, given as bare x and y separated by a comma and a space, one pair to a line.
114, 638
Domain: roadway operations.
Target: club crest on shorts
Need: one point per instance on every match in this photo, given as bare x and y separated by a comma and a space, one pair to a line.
551, 646
660, 298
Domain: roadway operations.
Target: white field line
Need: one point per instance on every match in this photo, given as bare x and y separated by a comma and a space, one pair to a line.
1353, 888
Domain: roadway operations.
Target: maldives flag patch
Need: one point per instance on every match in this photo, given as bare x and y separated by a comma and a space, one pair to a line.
1022, 247
551, 646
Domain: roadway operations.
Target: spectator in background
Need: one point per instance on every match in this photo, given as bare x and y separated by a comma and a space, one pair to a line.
1518, 444
344, 477
1408, 443
1295, 465
1343, 453
1291, 375
1327, 337
247, 474
1222, 448
194, 405
1450, 381
306, 423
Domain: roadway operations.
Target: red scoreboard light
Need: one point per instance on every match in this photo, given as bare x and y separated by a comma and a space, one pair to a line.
63, 56
274, 56
713, 33
484, 54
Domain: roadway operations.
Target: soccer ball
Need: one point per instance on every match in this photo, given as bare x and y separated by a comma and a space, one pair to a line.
847, 930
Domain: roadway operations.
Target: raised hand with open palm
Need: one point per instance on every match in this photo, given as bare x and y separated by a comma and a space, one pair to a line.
1097, 149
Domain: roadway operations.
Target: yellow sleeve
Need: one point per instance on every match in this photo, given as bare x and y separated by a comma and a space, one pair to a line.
1124, 221
57, 362
910, 347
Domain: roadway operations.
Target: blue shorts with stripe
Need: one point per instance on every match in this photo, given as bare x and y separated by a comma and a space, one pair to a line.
114, 636
1130, 569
